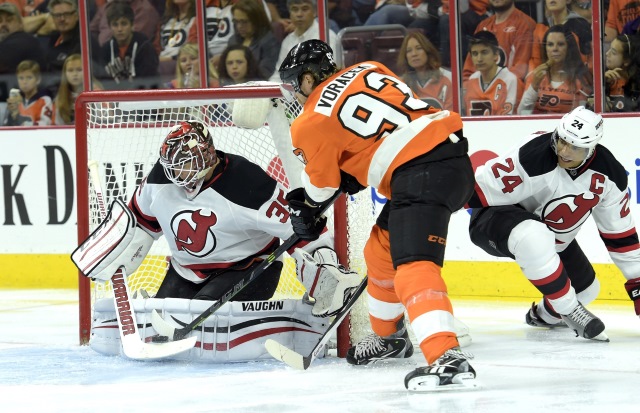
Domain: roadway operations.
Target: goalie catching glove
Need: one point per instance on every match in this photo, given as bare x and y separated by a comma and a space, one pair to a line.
330, 284
117, 242
306, 219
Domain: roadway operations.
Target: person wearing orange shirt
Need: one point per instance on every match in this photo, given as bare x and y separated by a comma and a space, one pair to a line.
491, 90
562, 82
620, 13
420, 62
514, 30
362, 126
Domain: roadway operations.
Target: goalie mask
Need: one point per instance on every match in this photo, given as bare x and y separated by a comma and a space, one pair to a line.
580, 131
311, 56
187, 154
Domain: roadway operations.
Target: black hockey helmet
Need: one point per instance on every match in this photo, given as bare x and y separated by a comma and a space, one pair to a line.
311, 56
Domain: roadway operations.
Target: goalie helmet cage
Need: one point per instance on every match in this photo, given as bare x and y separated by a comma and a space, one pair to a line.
123, 130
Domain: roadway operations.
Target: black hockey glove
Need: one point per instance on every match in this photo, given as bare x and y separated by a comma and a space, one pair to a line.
306, 219
349, 184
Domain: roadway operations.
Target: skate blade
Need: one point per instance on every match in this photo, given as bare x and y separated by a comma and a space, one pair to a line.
601, 337
463, 381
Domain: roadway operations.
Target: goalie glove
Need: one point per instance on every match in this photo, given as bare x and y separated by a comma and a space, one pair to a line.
633, 289
306, 219
117, 242
327, 282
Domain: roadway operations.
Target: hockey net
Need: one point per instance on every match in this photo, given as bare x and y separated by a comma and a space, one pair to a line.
122, 131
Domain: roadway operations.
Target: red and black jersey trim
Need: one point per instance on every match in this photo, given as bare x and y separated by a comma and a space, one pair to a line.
622, 242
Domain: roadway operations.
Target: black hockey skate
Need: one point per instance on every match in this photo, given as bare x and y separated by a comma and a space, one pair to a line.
585, 324
450, 372
533, 319
374, 348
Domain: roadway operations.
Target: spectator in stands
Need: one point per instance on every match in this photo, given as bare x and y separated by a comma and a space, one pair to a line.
179, 16
393, 12
237, 66
492, 89
146, 21
219, 28
33, 105
514, 31
558, 12
71, 85
622, 64
65, 40
280, 15
582, 8
15, 44
129, 54
560, 84
303, 17
472, 12
620, 13
188, 69
253, 30
419, 66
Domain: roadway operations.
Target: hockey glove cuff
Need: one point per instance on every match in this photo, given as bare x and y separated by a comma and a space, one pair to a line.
306, 219
633, 289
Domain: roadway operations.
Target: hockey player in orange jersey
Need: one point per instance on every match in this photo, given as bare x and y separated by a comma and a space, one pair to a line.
362, 126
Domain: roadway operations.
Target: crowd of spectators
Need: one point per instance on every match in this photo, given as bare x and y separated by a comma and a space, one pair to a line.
516, 59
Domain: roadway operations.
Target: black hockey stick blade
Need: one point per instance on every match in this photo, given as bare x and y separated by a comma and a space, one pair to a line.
297, 360
168, 332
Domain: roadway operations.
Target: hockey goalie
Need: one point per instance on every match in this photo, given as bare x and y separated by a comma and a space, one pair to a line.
221, 215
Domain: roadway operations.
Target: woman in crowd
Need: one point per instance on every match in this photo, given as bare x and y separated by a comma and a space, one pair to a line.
562, 82
621, 76
254, 31
419, 65
71, 85
557, 12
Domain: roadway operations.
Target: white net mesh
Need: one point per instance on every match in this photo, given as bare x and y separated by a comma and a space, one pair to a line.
124, 138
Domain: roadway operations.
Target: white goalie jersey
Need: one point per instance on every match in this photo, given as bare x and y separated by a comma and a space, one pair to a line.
529, 176
240, 216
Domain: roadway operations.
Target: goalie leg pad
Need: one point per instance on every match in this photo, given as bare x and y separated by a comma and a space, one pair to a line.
117, 242
329, 283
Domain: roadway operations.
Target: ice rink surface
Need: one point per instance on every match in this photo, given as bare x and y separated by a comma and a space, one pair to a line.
521, 369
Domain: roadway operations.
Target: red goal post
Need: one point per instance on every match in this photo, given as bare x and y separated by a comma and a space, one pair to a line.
122, 131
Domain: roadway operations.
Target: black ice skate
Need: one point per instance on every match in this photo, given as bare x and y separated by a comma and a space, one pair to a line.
451, 371
585, 324
533, 319
374, 348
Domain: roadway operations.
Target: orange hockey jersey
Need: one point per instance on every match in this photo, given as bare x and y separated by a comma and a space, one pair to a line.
36, 111
437, 93
515, 36
500, 97
366, 122
561, 98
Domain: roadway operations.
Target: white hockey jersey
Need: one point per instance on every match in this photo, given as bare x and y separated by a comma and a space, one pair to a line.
238, 217
530, 177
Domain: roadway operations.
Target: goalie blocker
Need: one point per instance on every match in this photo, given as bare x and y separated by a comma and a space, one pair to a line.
116, 242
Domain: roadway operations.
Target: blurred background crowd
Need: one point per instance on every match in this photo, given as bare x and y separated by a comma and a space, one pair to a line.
516, 57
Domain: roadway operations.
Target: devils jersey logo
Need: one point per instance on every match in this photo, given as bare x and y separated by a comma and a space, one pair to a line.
568, 213
193, 232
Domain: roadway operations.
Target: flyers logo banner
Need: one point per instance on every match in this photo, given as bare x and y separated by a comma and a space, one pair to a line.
193, 232
568, 213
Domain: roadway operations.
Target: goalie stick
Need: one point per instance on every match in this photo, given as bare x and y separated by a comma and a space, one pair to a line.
169, 332
132, 345
297, 360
